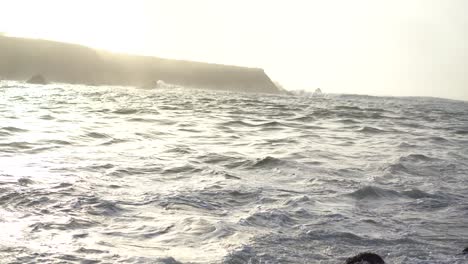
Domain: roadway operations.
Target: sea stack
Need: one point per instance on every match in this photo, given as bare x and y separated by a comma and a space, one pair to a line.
318, 92
37, 79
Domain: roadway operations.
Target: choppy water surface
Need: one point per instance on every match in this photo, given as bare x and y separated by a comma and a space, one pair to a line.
121, 175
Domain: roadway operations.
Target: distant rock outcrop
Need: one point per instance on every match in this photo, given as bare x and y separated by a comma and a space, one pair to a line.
149, 85
37, 79
318, 92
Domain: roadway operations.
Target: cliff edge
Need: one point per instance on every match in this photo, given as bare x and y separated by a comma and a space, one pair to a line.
21, 58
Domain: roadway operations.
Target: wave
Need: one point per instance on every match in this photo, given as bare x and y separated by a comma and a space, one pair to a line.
267, 162
182, 150
417, 158
210, 199
58, 142
233, 197
97, 135
163, 260
416, 194
16, 85
438, 139
13, 147
259, 163
215, 158
270, 219
104, 208
461, 132
322, 113
397, 168
406, 145
5, 134
14, 129
187, 168
348, 121
90, 251
142, 232
126, 111
344, 107
373, 192
353, 239
297, 201
304, 119
72, 224
113, 141
319, 245
143, 120
181, 201
246, 254
47, 117
241, 123
332, 235
196, 229
377, 193
375, 109
128, 171
371, 130
63, 185
25, 181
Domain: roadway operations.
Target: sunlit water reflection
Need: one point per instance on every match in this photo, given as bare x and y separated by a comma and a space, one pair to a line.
121, 175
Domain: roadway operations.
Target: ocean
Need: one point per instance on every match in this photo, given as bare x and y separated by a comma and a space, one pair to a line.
126, 175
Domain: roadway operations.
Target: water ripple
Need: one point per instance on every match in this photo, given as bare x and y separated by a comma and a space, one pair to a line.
124, 175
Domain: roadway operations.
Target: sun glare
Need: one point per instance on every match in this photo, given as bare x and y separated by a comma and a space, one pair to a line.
113, 25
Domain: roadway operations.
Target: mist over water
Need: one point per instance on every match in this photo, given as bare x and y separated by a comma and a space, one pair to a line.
123, 175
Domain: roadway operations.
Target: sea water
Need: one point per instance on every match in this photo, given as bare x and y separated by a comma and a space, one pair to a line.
124, 175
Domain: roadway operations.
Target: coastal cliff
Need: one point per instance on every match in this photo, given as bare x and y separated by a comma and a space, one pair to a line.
22, 58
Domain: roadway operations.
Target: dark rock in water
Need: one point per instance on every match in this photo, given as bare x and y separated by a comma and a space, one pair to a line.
465, 251
365, 258
37, 79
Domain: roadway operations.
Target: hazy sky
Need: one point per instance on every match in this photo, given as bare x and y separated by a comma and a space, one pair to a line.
391, 47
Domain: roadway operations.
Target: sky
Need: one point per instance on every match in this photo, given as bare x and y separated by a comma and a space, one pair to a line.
376, 47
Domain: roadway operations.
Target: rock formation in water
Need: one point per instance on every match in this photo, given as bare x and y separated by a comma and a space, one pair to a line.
37, 79
370, 258
150, 85
318, 92
20, 58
